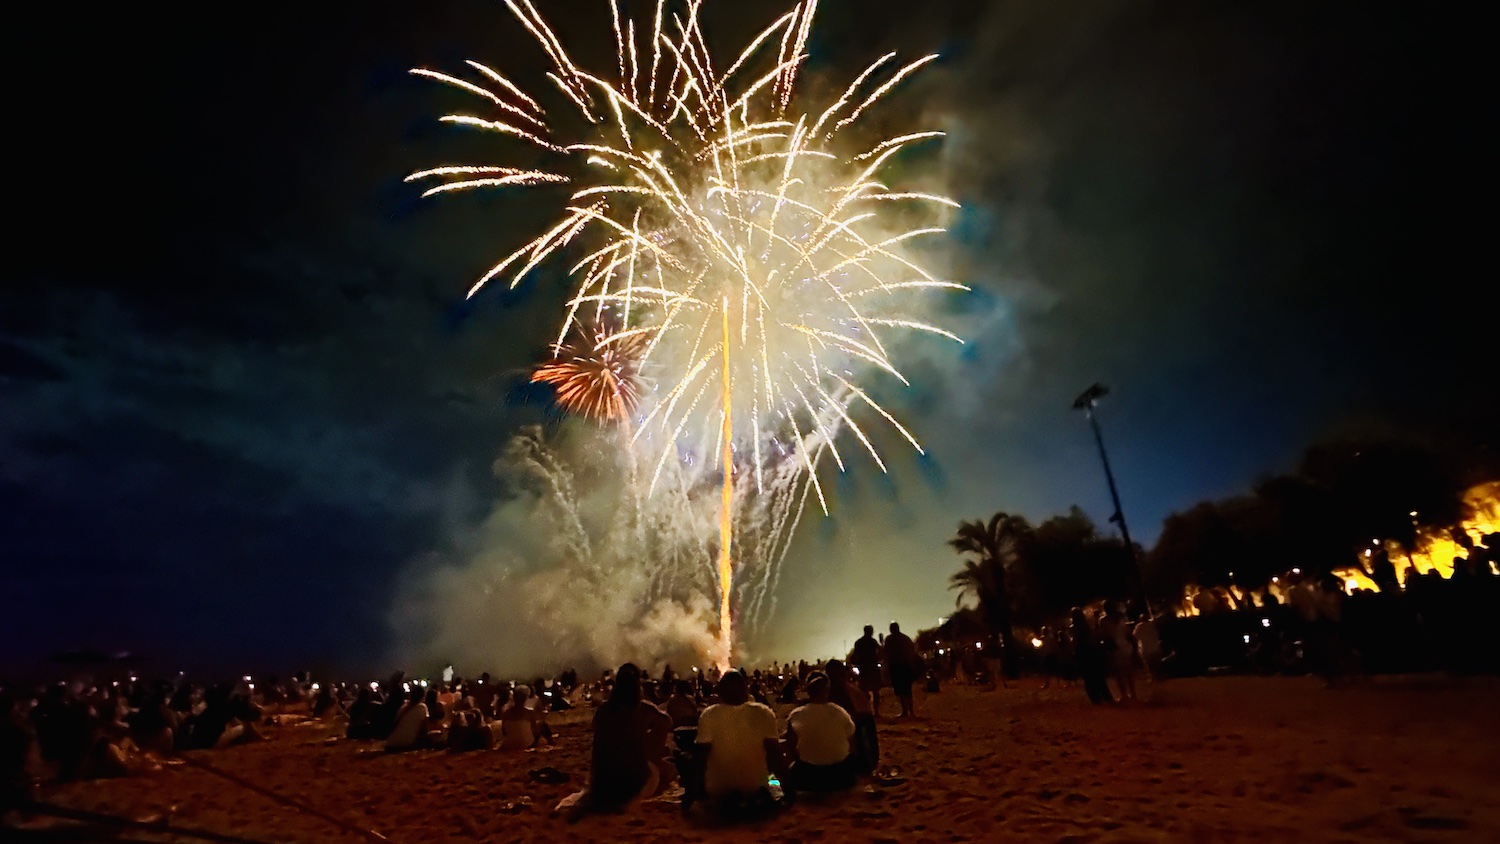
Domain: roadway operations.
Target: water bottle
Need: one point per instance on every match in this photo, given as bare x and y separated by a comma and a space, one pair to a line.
773, 785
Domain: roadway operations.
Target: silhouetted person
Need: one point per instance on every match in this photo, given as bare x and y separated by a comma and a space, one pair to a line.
905, 665
1383, 572
682, 706
865, 658
362, 714
483, 692
629, 756
843, 691
1093, 662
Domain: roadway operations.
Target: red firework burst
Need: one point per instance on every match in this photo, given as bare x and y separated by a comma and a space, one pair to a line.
597, 374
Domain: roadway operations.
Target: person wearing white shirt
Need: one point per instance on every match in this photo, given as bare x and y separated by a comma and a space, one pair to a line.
411, 725
819, 734
737, 742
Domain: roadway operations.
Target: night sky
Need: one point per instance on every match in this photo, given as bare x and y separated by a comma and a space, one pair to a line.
243, 402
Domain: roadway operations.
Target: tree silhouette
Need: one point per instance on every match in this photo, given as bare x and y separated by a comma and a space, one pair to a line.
1386, 490
1065, 562
993, 545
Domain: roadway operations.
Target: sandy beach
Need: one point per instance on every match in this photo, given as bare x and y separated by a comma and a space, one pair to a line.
1223, 759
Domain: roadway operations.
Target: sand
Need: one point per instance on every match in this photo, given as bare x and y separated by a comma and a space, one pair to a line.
1222, 759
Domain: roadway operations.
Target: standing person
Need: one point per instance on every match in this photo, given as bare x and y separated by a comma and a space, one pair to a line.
629, 757
1114, 629
1092, 661
866, 659
483, 692
1148, 645
1330, 626
905, 665
738, 746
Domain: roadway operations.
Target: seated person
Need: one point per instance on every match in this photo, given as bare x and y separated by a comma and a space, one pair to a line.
737, 743
681, 706
629, 758
411, 724
521, 725
819, 735
855, 701
362, 715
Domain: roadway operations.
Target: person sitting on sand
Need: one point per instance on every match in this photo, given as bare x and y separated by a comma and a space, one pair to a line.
819, 735
855, 701
437, 713
523, 726
362, 715
411, 724
629, 757
737, 742
682, 707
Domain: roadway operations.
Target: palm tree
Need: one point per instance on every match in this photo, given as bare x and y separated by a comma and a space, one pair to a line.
993, 545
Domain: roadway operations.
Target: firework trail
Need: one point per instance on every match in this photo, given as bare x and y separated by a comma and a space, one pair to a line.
721, 241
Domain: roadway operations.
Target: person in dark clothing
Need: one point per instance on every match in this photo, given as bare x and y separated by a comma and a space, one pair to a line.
1093, 660
855, 701
629, 757
865, 659
905, 665
362, 716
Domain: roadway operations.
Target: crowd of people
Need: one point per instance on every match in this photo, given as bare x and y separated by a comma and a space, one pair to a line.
717, 737
714, 735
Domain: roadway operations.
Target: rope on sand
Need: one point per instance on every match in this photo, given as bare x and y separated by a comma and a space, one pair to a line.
30, 807
363, 832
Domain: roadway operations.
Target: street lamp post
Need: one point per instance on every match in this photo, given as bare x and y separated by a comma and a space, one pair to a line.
1086, 402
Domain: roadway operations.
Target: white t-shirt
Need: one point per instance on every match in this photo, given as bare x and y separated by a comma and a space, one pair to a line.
737, 761
823, 732
408, 727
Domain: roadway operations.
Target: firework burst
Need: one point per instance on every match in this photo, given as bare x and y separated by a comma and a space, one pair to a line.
596, 375
748, 253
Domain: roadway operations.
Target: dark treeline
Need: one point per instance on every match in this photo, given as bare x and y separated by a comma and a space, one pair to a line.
1366, 505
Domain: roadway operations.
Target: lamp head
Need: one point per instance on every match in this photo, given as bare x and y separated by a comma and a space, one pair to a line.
1089, 396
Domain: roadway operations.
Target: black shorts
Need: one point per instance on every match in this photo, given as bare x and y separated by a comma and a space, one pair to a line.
902, 681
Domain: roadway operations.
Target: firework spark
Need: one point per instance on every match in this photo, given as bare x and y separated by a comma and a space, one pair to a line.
721, 230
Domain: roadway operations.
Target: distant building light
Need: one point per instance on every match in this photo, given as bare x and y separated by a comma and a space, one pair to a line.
1265, 622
